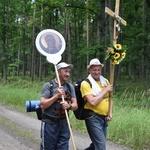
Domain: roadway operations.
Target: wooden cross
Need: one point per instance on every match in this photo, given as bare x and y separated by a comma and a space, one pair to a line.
119, 20
116, 17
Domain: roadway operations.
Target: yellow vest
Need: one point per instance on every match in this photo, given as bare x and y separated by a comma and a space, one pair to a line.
103, 107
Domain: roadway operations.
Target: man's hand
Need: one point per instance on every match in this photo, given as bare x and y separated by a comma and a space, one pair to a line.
109, 118
65, 105
109, 88
60, 91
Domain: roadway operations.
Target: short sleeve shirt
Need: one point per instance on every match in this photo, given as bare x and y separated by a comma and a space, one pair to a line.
101, 108
49, 89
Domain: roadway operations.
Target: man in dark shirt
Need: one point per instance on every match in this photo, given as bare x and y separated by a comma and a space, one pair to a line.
54, 128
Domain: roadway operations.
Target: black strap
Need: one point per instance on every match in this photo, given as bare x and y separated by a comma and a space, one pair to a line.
52, 84
87, 80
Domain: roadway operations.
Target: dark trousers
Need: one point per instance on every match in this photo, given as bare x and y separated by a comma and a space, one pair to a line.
55, 135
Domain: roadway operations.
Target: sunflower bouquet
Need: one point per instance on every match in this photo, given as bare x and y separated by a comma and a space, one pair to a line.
116, 54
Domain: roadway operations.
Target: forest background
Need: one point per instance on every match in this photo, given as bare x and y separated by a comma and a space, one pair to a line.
88, 31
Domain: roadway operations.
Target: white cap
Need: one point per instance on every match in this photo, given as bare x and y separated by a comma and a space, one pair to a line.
63, 65
95, 62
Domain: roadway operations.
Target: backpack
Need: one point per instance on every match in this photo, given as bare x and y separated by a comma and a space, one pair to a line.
81, 113
39, 110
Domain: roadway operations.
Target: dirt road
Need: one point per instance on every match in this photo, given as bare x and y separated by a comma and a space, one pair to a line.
21, 131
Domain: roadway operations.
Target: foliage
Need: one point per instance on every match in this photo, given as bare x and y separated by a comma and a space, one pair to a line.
86, 29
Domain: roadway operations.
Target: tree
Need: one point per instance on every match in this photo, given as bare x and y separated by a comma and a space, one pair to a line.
87, 32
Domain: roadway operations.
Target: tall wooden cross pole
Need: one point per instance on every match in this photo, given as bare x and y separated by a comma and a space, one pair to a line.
117, 21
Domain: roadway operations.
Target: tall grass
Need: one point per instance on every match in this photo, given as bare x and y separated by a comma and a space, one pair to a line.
130, 127
131, 119
15, 94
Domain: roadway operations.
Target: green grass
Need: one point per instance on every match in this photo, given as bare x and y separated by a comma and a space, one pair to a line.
130, 126
17, 93
131, 119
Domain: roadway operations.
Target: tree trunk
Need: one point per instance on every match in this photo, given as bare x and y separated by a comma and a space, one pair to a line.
40, 59
33, 48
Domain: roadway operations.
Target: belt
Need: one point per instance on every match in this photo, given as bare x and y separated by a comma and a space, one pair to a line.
56, 119
52, 118
101, 116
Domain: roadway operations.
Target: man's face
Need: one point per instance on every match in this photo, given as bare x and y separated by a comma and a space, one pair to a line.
95, 71
64, 73
50, 40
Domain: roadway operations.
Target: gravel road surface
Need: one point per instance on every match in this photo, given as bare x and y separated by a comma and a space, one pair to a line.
21, 131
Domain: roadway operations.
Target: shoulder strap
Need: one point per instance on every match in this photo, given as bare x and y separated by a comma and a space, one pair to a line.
87, 80
51, 86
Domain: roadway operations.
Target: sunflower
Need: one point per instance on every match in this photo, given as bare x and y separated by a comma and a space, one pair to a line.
123, 54
116, 54
118, 46
115, 62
